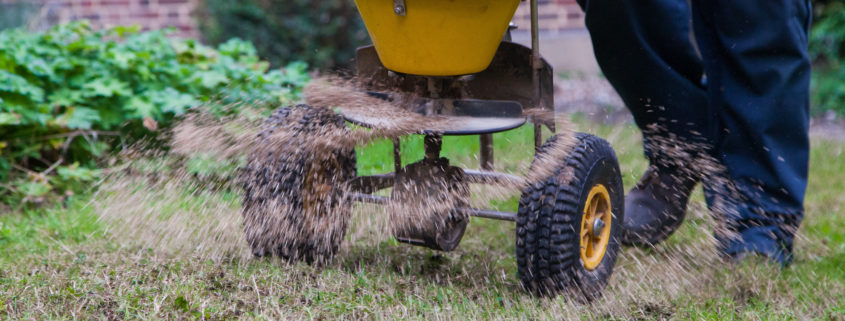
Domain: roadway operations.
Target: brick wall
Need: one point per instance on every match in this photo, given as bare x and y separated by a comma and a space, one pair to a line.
554, 15
149, 14
156, 14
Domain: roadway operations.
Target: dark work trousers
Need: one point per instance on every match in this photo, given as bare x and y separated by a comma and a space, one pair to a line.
738, 82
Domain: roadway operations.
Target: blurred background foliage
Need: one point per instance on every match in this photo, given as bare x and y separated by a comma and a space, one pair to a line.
827, 49
71, 97
322, 33
827, 41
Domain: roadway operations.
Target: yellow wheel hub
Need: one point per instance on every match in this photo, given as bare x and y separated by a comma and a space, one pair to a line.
595, 226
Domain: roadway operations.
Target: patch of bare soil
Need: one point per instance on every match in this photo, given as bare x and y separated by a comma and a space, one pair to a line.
593, 96
828, 127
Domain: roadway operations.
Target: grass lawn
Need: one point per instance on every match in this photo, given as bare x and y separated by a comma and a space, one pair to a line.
64, 263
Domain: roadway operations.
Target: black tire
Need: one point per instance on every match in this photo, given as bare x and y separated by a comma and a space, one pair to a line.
549, 220
282, 215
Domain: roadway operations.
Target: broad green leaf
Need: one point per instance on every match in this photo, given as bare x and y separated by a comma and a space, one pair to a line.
172, 101
66, 97
77, 173
141, 107
9, 119
80, 118
15, 84
123, 31
112, 117
41, 68
121, 57
210, 79
39, 114
237, 48
33, 188
106, 87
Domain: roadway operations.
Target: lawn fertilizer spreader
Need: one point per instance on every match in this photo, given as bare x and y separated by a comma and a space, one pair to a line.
456, 58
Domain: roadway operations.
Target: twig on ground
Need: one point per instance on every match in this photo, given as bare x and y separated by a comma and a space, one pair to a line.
52, 167
24, 169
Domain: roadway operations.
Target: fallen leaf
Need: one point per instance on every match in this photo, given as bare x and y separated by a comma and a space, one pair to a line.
150, 124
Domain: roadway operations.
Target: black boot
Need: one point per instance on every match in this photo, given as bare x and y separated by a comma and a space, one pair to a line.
656, 206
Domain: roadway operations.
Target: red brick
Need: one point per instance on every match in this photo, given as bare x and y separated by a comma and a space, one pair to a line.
149, 14
144, 15
122, 3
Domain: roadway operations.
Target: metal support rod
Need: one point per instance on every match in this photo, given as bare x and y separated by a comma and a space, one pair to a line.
535, 35
477, 212
496, 215
536, 64
433, 144
397, 155
536, 58
486, 141
372, 183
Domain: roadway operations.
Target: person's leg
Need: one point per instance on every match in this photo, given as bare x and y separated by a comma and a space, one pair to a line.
755, 56
644, 49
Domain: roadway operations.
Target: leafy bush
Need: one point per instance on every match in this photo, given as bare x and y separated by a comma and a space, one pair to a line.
323, 33
64, 91
827, 38
827, 49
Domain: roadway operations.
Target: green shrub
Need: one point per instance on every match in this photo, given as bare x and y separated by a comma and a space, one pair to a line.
828, 91
827, 38
827, 49
323, 33
63, 92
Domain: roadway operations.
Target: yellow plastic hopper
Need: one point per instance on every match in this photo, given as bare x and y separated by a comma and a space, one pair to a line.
437, 37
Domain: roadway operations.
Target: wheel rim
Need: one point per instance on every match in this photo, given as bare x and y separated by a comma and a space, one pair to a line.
595, 226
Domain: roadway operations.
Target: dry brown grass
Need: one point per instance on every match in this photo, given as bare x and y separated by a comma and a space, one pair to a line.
373, 278
171, 246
